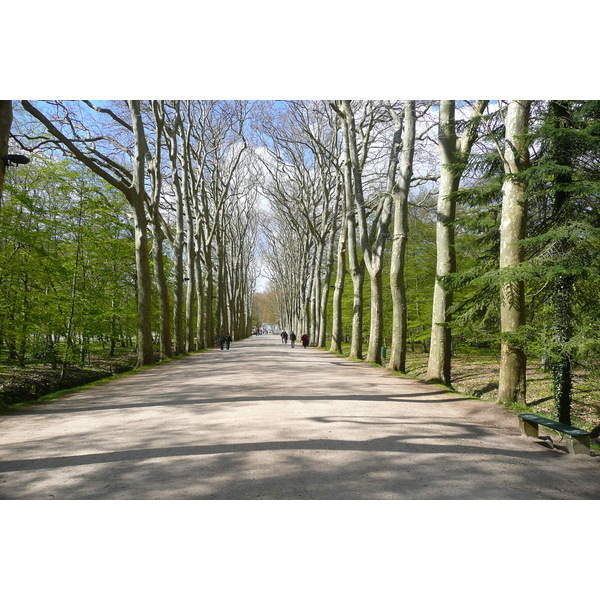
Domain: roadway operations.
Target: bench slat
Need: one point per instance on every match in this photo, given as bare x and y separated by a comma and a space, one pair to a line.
572, 431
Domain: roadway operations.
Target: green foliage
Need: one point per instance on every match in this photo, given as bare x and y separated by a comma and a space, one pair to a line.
66, 262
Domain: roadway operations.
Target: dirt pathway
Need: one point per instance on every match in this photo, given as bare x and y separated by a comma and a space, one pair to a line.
263, 420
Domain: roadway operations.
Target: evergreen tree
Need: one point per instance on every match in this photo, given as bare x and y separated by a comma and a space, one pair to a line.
560, 267
564, 185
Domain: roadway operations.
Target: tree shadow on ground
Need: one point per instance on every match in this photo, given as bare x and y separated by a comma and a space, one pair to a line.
311, 468
166, 400
490, 387
539, 401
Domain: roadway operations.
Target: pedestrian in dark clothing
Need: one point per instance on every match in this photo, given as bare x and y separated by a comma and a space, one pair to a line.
228, 341
305, 340
292, 339
284, 335
222, 339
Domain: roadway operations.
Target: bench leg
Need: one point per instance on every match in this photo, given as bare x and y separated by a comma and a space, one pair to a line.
579, 444
528, 429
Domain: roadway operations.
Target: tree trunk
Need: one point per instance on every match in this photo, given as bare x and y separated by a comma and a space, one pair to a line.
372, 239
6, 116
210, 290
162, 288
562, 378
315, 299
397, 361
376, 329
191, 276
354, 195
453, 159
144, 280
200, 318
143, 288
357, 272
438, 368
356, 267
23, 329
562, 285
513, 362
178, 292
374, 254
74, 281
336, 327
223, 325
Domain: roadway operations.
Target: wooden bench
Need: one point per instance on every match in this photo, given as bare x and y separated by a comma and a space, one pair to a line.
578, 440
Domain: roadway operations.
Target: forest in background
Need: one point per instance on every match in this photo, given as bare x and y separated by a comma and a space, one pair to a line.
390, 231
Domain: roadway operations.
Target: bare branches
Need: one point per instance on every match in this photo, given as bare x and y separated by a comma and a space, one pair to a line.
107, 111
106, 169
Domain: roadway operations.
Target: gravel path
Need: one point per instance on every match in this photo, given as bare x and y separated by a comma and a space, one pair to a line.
265, 421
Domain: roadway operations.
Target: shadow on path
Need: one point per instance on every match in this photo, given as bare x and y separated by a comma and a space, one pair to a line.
395, 443
159, 400
267, 421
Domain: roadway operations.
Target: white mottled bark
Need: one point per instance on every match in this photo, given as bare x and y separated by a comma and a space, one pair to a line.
397, 361
453, 158
513, 362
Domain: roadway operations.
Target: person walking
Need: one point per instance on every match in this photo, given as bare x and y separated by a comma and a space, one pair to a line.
285, 337
292, 339
222, 339
228, 341
305, 340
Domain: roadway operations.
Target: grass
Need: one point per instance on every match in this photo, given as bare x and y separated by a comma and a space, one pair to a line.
478, 376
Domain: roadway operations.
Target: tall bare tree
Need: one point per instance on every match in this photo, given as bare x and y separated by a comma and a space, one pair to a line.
454, 152
157, 225
76, 140
171, 127
372, 235
400, 192
356, 265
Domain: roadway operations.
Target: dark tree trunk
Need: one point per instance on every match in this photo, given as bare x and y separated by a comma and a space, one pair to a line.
561, 362
6, 116
562, 285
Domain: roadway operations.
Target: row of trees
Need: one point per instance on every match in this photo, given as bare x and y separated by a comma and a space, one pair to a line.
159, 194
470, 219
516, 217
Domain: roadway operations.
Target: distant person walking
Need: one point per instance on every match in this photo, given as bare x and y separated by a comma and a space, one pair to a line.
284, 337
292, 339
222, 340
305, 340
227, 341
